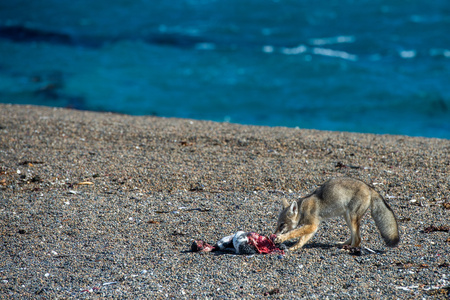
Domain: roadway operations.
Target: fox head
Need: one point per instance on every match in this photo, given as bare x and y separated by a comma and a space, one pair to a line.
289, 217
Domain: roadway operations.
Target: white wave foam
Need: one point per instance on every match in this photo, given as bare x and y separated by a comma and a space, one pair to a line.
332, 40
294, 51
408, 53
335, 53
268, 49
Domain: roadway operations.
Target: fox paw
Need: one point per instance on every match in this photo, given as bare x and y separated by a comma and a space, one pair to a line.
279, 239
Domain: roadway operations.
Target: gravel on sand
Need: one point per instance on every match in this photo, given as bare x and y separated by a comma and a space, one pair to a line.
106, 205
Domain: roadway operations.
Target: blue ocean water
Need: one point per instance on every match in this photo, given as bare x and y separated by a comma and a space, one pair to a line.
374, 66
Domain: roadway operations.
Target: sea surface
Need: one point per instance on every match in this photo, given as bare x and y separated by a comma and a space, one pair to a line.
372, 66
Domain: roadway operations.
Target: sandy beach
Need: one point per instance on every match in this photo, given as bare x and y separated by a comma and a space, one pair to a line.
101, 205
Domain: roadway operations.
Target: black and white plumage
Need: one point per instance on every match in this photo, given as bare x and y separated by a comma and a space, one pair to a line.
241, 243
237, 243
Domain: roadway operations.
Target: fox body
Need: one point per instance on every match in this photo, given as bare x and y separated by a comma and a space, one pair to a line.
341, 196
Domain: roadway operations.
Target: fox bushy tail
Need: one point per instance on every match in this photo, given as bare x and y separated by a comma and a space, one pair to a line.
385, 220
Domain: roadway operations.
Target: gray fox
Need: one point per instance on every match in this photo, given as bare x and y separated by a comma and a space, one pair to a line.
341, 196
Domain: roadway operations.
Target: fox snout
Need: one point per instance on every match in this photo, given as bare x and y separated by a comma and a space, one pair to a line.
281, 228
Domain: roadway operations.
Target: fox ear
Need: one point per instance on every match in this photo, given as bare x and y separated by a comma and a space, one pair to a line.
285, 203
293, 209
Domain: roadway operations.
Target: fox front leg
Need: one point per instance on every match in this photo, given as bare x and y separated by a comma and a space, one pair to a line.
305, 233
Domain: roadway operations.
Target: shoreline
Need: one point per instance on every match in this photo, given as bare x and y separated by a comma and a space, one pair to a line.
102, 204
31, 106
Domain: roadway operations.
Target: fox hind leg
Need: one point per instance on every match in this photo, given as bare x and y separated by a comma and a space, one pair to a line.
353, 223
356, 225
